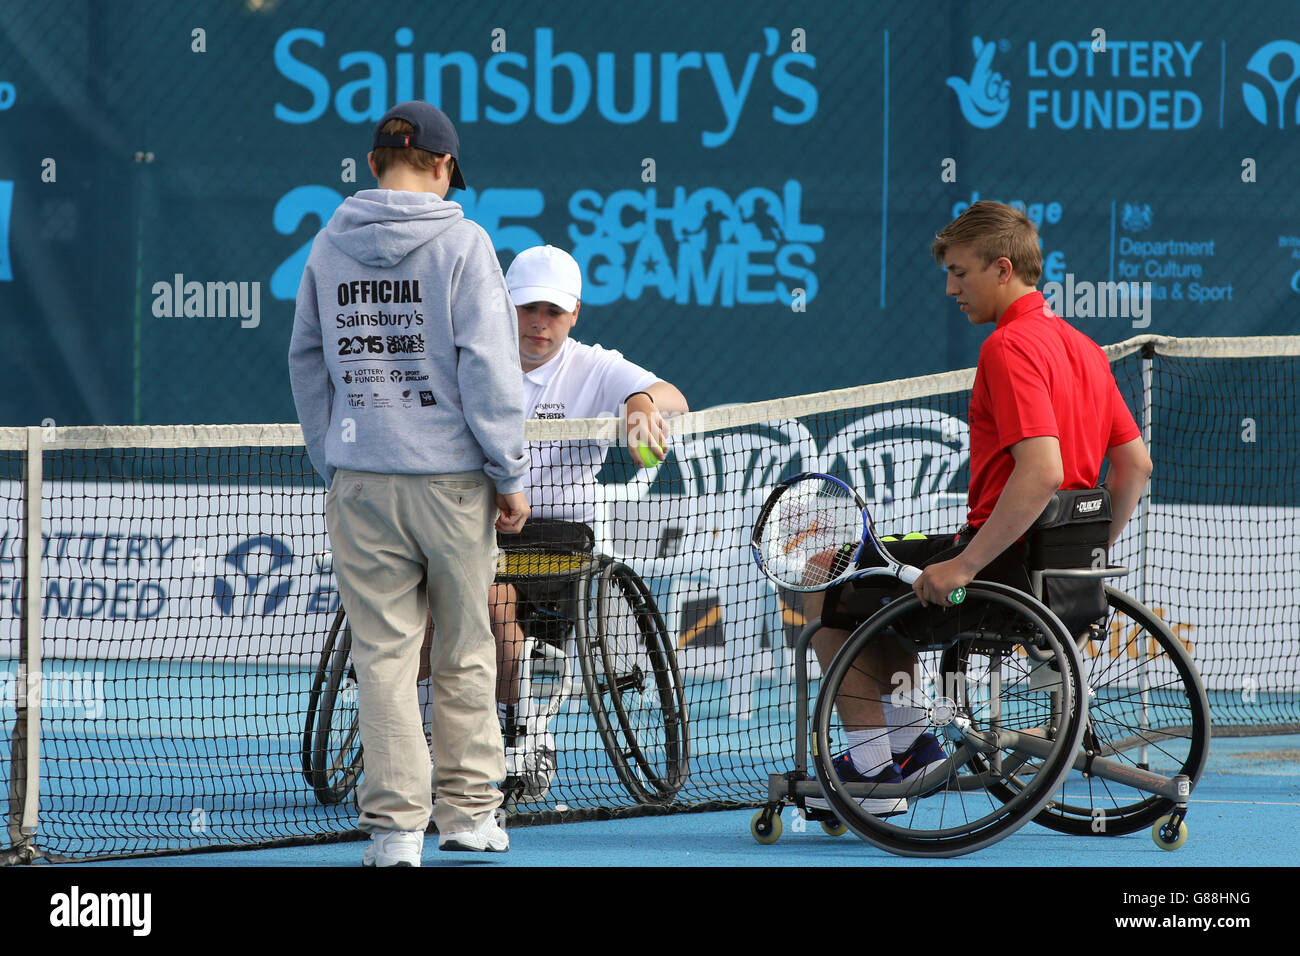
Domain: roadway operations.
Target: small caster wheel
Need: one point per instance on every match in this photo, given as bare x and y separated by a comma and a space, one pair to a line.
1164, 834
766, 827
834, 827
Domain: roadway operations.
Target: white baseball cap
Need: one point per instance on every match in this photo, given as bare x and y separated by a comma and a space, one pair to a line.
545, 274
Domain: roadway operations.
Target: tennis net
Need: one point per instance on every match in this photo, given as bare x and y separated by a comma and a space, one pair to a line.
187, 610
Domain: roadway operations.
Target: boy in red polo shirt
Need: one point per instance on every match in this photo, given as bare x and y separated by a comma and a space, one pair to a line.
1044, 412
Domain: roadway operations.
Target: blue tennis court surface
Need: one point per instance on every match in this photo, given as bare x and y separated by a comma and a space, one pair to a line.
196, 755
183, 756
1244, 812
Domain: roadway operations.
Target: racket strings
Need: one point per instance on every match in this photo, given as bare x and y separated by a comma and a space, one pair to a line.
811, 534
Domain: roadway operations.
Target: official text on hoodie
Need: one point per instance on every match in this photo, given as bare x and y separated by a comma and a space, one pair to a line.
404, 357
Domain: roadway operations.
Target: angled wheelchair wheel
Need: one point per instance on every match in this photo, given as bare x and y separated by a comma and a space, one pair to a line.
1147, 709
332, 751
318, 680
995, 687
630, 674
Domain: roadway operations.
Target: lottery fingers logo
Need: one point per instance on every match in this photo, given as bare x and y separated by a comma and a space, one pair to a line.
985, 97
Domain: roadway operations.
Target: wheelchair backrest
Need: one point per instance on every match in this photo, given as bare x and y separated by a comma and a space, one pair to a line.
1072, 531
549, 535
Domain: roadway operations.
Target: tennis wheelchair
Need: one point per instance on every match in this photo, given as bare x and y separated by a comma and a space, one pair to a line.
1070, 704
573, 602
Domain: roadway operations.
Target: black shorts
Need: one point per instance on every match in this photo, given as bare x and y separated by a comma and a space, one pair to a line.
848, 605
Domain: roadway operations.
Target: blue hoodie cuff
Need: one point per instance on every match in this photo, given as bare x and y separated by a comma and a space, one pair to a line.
510, 486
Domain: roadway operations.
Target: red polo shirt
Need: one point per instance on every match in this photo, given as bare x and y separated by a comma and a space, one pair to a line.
1038, 376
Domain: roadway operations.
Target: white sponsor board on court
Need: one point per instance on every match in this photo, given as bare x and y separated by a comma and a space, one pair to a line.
1223, 579
188, 572
170, 570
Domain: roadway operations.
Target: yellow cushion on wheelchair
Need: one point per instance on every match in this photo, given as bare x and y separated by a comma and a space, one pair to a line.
526, 564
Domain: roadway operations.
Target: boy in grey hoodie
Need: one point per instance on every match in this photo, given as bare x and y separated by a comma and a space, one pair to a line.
405, 370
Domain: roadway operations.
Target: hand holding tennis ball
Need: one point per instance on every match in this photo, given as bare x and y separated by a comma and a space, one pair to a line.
646, 431
648, 457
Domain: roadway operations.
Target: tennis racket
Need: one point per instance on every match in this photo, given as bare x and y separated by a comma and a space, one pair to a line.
811, 531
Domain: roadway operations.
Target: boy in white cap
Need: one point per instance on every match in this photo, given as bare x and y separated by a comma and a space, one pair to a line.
564, 378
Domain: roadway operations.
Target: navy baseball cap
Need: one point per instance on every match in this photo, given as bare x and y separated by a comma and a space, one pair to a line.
433, 132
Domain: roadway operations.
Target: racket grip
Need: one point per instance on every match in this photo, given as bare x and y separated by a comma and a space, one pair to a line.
908, 575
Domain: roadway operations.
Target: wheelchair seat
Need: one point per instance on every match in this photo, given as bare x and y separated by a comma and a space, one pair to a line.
545, 562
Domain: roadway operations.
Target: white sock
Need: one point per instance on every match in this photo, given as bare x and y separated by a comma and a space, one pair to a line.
869, 750
907, 724
907, 715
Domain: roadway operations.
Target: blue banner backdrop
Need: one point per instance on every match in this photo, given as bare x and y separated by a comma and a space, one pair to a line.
751, 189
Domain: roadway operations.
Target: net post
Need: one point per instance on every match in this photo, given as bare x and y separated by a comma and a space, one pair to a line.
24, 740
1144, 536
1144, 530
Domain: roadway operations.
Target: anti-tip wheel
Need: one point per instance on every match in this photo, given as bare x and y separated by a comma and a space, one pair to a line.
834, 827
765, 827
1160, 834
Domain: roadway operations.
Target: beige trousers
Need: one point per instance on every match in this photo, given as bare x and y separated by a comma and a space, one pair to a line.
390, 535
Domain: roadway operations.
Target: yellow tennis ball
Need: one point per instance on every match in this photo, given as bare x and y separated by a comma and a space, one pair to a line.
648, 457
913, 536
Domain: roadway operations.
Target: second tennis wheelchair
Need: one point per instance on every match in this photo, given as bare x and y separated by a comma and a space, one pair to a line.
1099, 727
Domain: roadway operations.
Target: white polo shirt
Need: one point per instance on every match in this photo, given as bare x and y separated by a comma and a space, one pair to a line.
581, 381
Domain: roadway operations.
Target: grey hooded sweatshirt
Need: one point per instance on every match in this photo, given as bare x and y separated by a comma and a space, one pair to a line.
405, 351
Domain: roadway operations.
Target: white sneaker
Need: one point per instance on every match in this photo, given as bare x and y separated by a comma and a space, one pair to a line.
539, 770
394, 848
530, 770
488, 836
